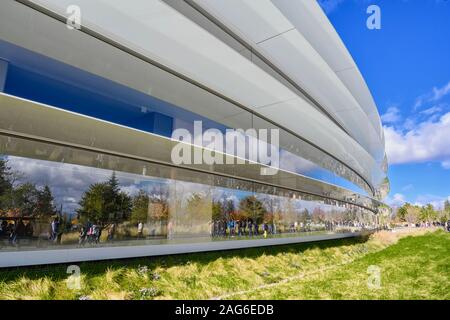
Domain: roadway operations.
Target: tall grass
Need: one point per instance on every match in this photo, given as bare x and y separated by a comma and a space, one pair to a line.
193, 276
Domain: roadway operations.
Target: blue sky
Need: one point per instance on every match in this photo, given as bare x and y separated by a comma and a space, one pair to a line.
406, 65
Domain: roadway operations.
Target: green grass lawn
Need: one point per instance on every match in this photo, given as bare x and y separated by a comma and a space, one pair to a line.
415, 267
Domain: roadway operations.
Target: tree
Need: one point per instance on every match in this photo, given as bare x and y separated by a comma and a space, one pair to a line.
427, 213
290, 214
229, 209
159, 204
198, 208
318, 215
447, 206
45, 206
5, 184
304, 216
443, 216
5, 177
140, 207
251, 207
412, 214
25, 200
349, 214
402, 212
113, 184
104, 203
217, 211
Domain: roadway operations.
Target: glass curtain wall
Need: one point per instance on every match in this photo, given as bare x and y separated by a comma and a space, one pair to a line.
66, 198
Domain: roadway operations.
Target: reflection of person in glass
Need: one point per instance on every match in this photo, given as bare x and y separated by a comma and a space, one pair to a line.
12, 233
140, 230
94, 234
82, 236
54, 229
111, 232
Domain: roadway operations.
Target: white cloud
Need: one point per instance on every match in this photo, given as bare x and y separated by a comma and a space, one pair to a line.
419, 102
439, 93
431, 110
293, 163
429, 141
435, 95
409, 124
397, 200
436, 201
392, 115
446, 164
68, 182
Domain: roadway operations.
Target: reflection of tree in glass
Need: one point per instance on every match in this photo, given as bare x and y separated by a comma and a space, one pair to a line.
5, 179
198, 208
159, 203
251, 207
304, 217
140, 209
290, 213
223, 209
104, 203
273, 214
218, 212
318, 215
23, 200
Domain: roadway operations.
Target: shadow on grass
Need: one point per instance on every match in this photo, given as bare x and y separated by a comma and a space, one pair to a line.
90, 269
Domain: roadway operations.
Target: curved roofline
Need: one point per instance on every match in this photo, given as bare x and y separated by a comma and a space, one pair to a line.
285, 37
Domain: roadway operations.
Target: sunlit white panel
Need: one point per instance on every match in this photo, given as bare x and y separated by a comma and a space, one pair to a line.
159, 32
315, 76
309, 19
260, 19
311, 125
354, 81
291, 52
311, 22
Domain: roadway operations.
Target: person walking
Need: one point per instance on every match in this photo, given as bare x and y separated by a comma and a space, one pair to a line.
55, 229
140, 230
82, 236
111, 232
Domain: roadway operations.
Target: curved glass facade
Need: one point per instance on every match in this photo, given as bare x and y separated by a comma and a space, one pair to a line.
113, 203
86, 124
49, 82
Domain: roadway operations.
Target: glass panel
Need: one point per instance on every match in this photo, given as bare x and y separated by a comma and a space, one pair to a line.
113, 201
39, 78
191, 207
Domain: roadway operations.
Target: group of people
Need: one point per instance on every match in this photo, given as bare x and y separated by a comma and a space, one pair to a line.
232, 228
427, 224
16, 230
89, 233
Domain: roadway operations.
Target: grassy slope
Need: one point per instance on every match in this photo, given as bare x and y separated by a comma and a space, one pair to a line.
416, 267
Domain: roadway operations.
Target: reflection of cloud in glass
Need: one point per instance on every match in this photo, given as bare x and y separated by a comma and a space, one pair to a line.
293, 163
223, 194
68, 182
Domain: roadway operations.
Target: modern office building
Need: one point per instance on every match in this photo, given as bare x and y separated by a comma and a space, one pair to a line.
91, 92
